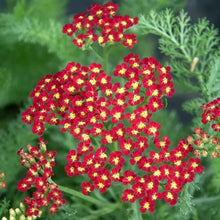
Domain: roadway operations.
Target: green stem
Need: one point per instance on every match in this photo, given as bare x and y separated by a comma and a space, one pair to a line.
101, 212
114, 146
105, 58
206, 200
80, 195
136, 213
96, 54
203, 86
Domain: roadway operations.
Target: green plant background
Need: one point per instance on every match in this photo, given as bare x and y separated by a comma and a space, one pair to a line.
32, 45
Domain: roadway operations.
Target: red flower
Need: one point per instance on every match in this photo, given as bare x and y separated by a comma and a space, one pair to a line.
87, 187
146, 205
152, 129
128, 177
23, 185
130, 40
126, 146
170, 197
168, 89
164, 144
154, 91
117, 114
53, 208
145, 164
129, 195
174, 185
194, 165
155, 104
139, 189
115, 158
135, 99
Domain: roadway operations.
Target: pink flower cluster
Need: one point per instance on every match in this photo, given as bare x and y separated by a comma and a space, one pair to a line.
102, 25
39, 162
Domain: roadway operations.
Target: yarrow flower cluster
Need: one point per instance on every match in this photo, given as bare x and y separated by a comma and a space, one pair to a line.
70, 99
111, 117
2, 182
207, 144
39, 162
102, 25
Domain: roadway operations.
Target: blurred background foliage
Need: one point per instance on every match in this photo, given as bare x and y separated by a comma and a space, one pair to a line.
31, 46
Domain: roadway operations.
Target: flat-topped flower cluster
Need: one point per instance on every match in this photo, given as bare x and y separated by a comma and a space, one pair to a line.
102, 25
111, 117
39, 162
84, 101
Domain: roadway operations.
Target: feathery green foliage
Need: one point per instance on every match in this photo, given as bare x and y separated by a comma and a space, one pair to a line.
4, 206
213, 80
216, 176
15, 136
192, 48
31, 39
191, 105
134, 8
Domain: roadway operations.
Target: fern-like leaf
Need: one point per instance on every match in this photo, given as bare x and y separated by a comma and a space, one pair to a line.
213, 82
192, 106
191, 48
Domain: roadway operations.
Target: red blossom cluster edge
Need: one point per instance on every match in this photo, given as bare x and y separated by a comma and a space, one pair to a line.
39, 162
206, 143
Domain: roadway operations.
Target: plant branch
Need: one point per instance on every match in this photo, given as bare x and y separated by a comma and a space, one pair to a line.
80, 195
95, 53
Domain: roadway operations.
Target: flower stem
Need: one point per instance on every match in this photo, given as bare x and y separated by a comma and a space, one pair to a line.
80, 195
206, 200
136, 213
96, 54
105, 58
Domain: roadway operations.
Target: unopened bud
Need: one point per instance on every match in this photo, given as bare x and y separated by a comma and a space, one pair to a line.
29, 147
2, 175
12, 212
190, 139
217, 147
2, 184
204, 153
22, 206
12, 217
43, 148
22, 217
18, 211
196, 153
215, 154
40, 213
